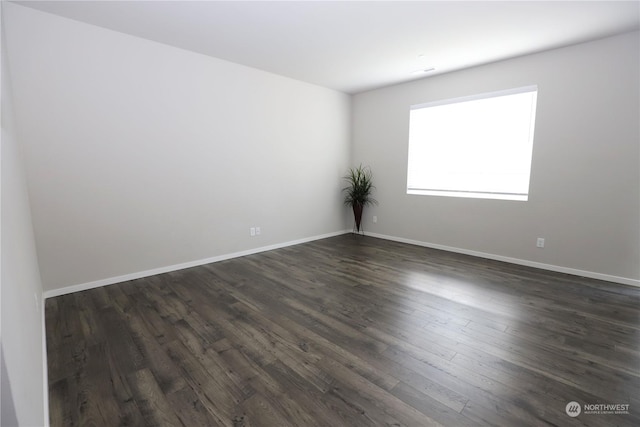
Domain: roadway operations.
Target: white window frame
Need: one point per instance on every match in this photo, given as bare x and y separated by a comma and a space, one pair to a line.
507, 179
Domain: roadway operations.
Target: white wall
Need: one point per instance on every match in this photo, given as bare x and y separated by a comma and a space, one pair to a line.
585, 183
22, 382
141, 156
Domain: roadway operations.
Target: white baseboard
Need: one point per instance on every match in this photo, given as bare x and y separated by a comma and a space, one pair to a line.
124, 278
118, 279
542, 266
45, 367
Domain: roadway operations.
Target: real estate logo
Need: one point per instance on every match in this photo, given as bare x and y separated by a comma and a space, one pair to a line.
573, 409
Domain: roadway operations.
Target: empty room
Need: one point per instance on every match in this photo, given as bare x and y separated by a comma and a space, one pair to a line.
320, 213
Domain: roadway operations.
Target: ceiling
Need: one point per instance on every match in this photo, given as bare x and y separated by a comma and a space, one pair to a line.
354, 46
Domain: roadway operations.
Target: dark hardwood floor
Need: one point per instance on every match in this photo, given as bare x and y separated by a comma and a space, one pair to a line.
346, 331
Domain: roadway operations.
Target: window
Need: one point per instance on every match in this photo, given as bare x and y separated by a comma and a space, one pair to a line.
478, 146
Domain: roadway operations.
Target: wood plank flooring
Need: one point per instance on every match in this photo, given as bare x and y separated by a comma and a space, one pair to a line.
345, 331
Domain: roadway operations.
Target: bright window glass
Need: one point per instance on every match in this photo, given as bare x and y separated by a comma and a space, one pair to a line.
478, 146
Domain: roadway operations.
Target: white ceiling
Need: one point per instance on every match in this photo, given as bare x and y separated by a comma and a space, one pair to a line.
353, 46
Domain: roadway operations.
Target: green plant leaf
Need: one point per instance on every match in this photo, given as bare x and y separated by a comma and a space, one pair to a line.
359, 188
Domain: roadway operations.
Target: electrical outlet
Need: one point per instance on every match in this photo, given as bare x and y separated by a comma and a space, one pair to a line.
540, 242
375, 219
258, 231
252, 231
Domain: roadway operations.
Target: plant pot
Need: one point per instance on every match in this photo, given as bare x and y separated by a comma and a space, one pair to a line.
357, 215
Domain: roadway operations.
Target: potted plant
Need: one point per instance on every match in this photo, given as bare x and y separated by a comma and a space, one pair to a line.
358, 192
